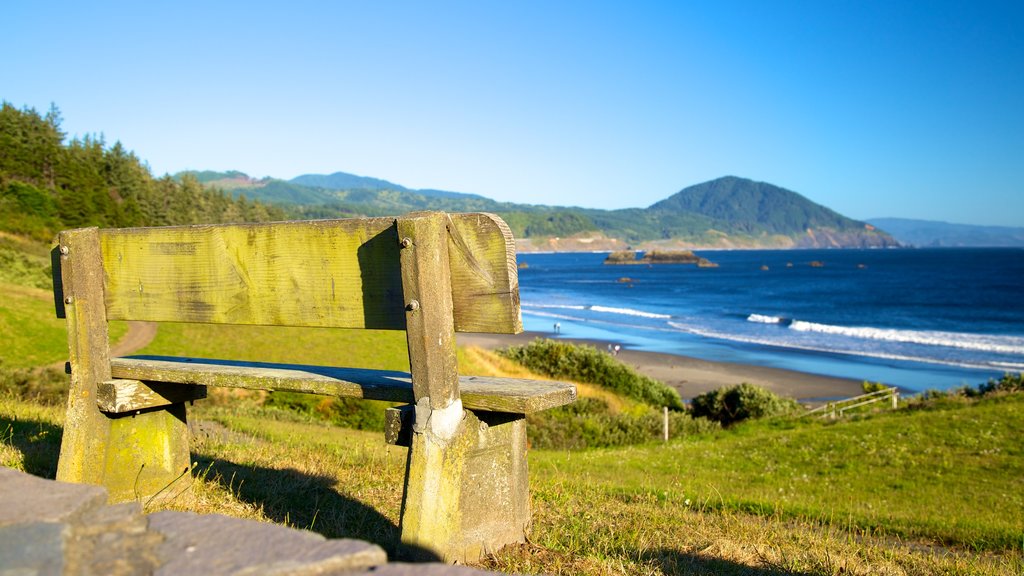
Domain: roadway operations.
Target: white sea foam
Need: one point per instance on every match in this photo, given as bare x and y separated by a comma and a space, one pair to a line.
559, 306
629, 312
762, 319
960, 340
811, 348
553, 315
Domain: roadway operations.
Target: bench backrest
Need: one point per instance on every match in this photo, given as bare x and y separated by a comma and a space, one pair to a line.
324, 273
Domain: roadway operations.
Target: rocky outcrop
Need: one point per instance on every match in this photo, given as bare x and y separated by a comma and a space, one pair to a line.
49, 527
622, 257
659, 257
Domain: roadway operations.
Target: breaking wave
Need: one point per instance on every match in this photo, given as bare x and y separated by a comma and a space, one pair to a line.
963, 341
629, 312
762, 319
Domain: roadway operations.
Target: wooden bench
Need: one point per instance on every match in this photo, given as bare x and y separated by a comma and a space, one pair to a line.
430, 274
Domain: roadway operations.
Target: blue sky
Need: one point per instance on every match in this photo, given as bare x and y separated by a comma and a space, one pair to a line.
908, 109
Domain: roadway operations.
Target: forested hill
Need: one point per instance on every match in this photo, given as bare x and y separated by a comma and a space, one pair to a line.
727, 212
48, 183
758, 209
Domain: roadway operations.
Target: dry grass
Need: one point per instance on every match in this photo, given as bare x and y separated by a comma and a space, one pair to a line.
346, 483
480, 362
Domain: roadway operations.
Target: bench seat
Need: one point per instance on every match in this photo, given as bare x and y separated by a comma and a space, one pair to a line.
512, 395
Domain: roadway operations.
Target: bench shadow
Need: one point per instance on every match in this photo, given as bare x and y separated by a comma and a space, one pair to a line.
38, 442
309, 502
676, 562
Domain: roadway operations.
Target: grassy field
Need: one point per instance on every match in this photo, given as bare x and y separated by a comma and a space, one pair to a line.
934, 490
694, 505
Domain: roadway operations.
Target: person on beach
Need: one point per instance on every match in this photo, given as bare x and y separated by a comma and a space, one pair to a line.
616, 350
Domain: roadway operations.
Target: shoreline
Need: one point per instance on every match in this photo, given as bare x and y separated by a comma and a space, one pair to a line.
693, 376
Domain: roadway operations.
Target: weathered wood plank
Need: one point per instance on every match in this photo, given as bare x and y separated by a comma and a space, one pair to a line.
86, 430
328, 273
120, 396
398, 422
512, 395
482, 265
430, 333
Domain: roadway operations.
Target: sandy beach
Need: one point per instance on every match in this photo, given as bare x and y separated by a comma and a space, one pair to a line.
692, 376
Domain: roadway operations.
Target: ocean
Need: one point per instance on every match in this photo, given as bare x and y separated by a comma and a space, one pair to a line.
915, 318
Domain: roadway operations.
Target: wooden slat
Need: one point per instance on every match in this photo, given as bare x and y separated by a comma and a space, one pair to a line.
86, 430
478, 393
325, 273
430, 332
485, 277
120, 396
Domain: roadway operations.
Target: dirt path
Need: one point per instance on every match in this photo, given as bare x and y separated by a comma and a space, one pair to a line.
138, 336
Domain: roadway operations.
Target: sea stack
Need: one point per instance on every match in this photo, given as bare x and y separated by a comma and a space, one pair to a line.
659, 257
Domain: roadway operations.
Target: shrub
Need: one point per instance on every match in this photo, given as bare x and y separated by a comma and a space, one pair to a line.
745, 401
584, 363
588, 423
347, 412
869, 387
1009, 383
43, 385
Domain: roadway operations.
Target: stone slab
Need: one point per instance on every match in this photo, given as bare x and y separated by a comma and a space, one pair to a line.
216, 544
33, 548
27, 498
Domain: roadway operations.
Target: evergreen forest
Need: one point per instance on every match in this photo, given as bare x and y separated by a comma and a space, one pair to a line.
49, 182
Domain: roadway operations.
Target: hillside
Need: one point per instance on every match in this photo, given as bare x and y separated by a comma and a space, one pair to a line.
934, 490
925, 233
728, 212
48, 183
758, 209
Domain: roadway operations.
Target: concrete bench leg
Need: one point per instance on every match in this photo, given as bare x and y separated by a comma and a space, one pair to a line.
134, 456
469, 496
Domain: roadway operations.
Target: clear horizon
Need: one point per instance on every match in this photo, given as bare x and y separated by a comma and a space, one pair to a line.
907, 110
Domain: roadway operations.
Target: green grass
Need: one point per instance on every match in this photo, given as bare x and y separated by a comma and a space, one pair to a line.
655, 509
30, 333
926, 491
381, 349
24, 262
953, 475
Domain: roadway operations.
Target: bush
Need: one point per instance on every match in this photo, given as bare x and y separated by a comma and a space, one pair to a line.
1009, 383
745, 401
869, 387
583, 363
588, 423
347, 412
47, 386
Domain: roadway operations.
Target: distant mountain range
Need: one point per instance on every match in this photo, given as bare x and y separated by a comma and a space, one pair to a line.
727, 212
925, 233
